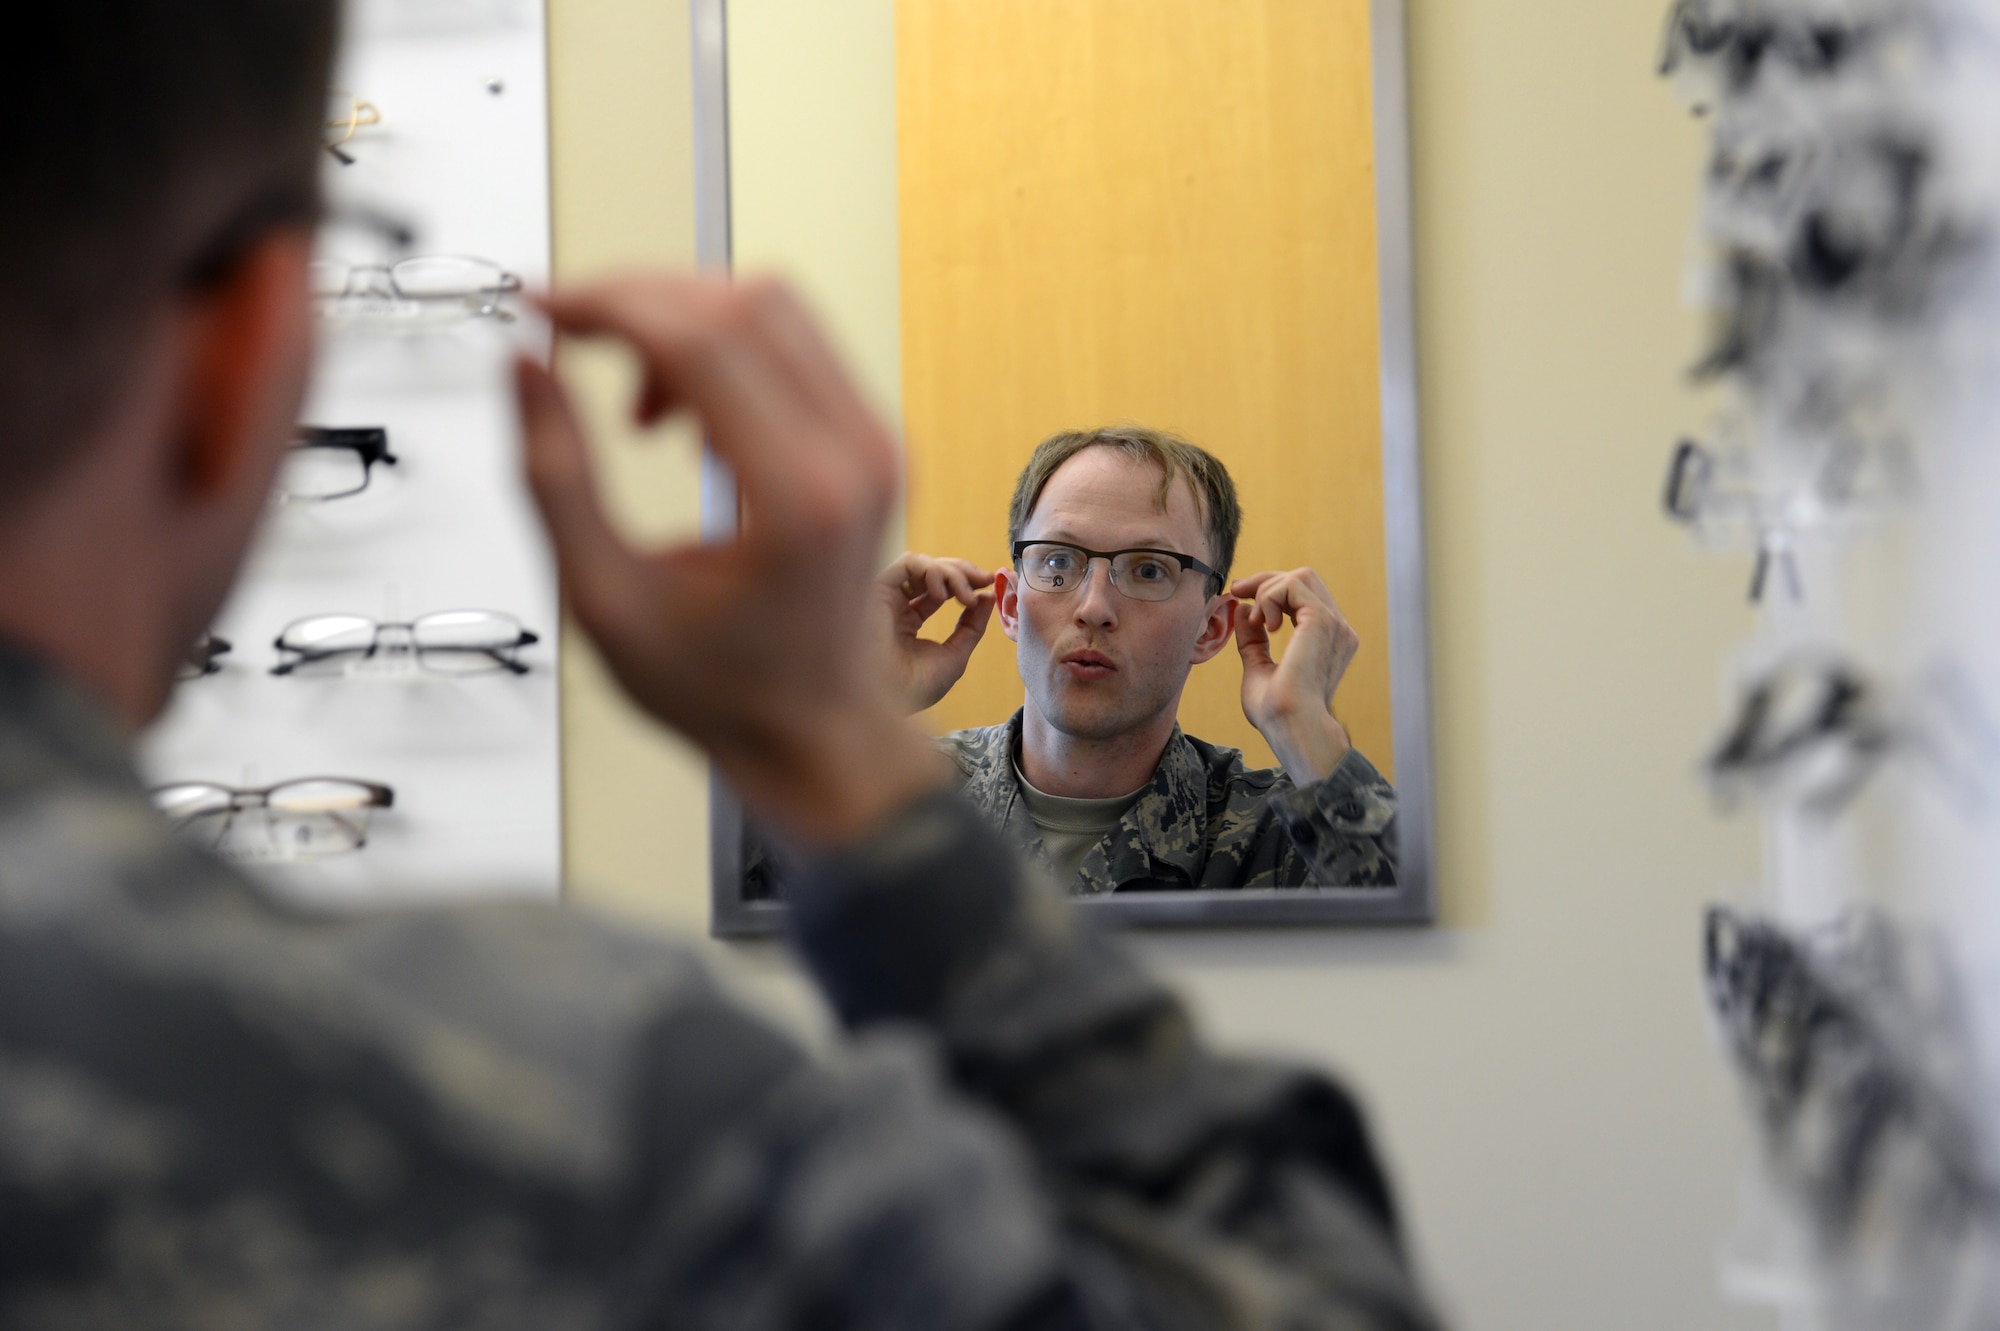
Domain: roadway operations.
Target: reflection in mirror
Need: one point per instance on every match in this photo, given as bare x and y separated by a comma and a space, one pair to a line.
1162, 602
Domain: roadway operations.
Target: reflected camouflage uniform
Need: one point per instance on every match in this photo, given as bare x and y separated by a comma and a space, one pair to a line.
219, 1111
1206, 820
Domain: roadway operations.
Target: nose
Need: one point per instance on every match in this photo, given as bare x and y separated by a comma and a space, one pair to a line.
1096, 599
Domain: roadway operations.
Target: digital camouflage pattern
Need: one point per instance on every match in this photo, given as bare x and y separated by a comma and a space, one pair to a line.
1207, 821
218, 1111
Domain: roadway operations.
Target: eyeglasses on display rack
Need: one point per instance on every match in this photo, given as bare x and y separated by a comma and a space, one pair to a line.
1829, 1034
1140, 573
421, 292
1739, 44
1696, 498
345, 113
203, 657
1838, 483
1813, 725
307, 818
447, 642
328, 463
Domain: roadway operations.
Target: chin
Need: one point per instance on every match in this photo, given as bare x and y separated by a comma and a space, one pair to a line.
1087, 719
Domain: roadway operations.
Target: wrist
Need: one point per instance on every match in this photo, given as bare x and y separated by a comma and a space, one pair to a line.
1310, 747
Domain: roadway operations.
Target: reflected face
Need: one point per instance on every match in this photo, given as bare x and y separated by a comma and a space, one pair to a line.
1096, 663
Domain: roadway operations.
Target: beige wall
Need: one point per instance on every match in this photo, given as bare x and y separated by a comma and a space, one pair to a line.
1538, 1065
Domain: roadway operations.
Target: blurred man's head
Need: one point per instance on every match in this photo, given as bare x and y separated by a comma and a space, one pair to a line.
156, 207
1105, 652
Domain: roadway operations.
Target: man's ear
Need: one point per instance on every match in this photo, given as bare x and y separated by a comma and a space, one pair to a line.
1007, 593
247, 339
1216, 629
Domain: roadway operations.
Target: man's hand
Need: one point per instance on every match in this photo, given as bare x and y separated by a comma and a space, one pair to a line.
1291, 701
914, 588
764, 649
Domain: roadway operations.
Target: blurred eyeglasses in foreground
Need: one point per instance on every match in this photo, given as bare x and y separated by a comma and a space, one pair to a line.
447, 642
414, 294
307, 818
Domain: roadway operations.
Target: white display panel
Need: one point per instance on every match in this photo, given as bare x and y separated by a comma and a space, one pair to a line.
461, 157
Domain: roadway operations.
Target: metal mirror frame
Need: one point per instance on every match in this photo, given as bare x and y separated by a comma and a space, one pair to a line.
1413, 900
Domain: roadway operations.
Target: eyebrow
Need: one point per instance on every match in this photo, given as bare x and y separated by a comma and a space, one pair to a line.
1063, 536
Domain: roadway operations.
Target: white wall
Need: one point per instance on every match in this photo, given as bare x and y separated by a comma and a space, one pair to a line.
1538, 1065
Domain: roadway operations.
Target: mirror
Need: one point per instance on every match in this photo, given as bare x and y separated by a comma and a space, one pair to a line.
1152, 271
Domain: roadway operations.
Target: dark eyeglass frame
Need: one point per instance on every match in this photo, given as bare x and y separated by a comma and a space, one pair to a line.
305, 656
369, 442
246, 799
1743, 45
1110, 556
201, 658
1842, 710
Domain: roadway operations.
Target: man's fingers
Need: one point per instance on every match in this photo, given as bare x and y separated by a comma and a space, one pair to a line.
1272, 603
900, 572
804, 454
595, 564
1253, 643
1246, 589
972, 622
1315, 586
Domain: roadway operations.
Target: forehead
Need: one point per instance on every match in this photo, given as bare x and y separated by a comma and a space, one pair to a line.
1105, 499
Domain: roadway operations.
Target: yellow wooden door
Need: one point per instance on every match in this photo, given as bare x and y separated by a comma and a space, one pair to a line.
1157, 211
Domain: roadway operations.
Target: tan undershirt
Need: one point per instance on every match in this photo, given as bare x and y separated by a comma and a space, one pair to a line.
1070, 827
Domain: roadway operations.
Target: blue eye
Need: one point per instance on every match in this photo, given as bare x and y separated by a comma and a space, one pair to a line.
1151, 570
1057, 561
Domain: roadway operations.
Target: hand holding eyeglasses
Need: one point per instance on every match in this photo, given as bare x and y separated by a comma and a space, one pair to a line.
763, 649
1290, 701
912, 589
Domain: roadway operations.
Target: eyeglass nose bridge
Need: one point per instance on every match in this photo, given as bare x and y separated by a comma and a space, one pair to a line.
372, 280
1111, 579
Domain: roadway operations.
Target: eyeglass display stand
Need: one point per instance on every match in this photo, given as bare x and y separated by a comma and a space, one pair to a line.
460, 155
1872, 1089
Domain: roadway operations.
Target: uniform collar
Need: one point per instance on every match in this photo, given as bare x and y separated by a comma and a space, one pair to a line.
1159, 838
50, 728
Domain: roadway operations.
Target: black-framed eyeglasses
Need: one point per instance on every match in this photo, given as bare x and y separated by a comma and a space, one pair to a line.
1810, 722
1142, 573
202, 657
446, 642
332, 463
305, 818
1702, 32
1837, 1034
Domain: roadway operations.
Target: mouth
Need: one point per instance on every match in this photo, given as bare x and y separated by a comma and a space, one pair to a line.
1088, 665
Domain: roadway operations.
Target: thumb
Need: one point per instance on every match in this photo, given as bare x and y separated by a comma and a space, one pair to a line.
594, 564
1253, 642
972, 622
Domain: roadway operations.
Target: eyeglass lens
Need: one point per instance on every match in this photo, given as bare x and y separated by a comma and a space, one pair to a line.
448, 642
1139, 574
309, 818
332, 464
428, 277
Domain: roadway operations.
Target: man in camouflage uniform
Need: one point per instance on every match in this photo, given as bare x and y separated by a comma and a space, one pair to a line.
221, 1111
1110, 610
1204, 821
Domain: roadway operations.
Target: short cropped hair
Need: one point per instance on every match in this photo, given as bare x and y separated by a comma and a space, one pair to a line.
1174, 456
153, 143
